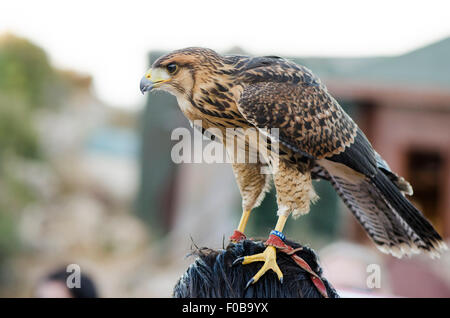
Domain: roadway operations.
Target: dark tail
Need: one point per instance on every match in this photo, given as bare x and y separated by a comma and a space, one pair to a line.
390, 220
422, 233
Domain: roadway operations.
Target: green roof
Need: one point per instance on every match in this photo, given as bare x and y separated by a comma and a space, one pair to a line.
429, 65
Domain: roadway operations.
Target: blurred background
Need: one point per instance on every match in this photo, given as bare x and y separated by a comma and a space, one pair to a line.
86, 175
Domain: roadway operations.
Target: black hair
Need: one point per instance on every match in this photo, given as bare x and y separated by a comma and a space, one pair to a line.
87, 286
214, 275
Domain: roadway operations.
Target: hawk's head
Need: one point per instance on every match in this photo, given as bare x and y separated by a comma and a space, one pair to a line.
179, 71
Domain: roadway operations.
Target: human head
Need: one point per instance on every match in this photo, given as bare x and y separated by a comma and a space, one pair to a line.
213, 275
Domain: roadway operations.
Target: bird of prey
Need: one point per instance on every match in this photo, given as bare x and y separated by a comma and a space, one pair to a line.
317, 140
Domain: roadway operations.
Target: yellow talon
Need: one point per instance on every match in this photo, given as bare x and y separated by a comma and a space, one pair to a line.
269, 257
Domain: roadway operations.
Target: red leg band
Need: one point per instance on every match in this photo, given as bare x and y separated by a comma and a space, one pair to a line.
278, 243
237, 236
275, 241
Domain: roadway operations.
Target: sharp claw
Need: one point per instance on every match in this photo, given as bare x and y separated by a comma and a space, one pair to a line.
249, 282
237, 261
269, 259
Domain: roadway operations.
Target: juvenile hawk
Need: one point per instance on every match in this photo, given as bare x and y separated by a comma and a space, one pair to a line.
317, 140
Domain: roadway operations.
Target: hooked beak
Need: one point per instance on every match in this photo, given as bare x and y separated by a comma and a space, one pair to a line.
146, 84
153, 79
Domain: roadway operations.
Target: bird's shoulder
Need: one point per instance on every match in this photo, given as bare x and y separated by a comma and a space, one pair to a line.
274, 69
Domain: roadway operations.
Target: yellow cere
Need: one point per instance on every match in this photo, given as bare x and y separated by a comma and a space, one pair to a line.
158, 75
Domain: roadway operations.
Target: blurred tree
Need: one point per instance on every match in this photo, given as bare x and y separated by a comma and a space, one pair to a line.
25, 82
25, 71
17, 134
28, 83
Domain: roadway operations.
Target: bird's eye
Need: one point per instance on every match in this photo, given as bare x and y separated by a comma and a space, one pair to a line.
172, 68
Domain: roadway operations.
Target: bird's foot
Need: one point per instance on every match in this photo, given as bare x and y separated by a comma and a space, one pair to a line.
237, 236
269, 257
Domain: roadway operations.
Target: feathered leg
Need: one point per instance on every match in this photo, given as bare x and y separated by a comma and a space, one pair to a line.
294, 193
253, 186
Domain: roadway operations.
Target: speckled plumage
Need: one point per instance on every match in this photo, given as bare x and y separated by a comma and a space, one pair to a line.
253, 185
317, 140
308, 117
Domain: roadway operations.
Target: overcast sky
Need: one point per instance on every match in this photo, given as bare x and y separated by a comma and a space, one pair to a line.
110, 39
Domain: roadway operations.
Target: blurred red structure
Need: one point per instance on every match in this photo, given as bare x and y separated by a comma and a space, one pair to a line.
410, 128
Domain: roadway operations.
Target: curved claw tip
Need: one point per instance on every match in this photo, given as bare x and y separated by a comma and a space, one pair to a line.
237, 261
249, 283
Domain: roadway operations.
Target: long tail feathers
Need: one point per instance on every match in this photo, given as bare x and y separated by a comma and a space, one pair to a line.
421, 231
390, 220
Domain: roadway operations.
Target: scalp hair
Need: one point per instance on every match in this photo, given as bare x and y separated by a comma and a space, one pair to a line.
212, 275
